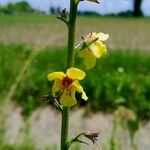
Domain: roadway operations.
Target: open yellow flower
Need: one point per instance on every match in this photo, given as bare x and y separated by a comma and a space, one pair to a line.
67, 84
92, 48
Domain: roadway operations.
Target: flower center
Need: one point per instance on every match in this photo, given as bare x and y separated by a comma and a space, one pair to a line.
66, 82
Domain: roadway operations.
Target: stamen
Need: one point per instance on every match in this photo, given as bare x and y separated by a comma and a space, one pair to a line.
66, 82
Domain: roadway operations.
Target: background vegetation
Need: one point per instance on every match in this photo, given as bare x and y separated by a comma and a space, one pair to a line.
121, 78
28, 40
16, 8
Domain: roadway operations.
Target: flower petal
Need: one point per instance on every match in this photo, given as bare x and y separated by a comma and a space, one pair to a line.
98, 49
89, 59
55, 75
102, 36
79, 88
82, 52
56, 87
68, 99
75, 73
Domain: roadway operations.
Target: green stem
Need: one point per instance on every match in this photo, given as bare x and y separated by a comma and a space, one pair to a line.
71, 33
64, 128
70, 63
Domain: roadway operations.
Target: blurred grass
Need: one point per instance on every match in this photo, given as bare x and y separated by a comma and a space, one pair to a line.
12, 58
42, 31
120, 78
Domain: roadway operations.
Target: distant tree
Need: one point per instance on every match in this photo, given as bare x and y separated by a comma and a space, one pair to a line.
127, 13
10, 8
58, 9
19, 7
23, 6
88, 13
1, 9
52, 10
137, 8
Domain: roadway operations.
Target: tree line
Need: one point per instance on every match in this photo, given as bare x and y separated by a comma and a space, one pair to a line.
19, 7
24, 7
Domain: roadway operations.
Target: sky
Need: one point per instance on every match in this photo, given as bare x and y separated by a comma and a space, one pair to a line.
106, 6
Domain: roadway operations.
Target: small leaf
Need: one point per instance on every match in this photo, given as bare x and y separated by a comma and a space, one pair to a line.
92, 136
94, 1
51, 100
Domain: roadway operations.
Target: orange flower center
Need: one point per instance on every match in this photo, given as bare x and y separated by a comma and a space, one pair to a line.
66, 82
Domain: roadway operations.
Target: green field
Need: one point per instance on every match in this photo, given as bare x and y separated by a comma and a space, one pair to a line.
30, 47
41, 31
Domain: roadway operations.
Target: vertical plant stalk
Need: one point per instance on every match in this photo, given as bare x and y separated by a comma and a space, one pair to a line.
70, 63
71, 33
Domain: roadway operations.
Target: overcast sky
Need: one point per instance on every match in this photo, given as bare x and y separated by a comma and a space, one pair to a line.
106, 6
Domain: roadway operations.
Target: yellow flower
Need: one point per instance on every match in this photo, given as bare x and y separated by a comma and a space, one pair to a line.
67, 84
92, 48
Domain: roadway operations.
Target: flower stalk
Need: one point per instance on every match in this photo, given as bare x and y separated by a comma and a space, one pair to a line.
67, 84
70, 63
71, 32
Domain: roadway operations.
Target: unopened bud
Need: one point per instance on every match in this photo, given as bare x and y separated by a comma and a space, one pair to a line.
92, 136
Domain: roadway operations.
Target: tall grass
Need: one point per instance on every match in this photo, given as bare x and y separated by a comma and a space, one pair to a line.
12, 58
120, 78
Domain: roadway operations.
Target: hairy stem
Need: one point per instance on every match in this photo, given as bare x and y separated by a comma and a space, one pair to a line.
70, 63
71, 33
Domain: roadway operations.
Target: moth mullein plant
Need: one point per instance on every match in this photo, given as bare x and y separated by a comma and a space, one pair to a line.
67, 84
